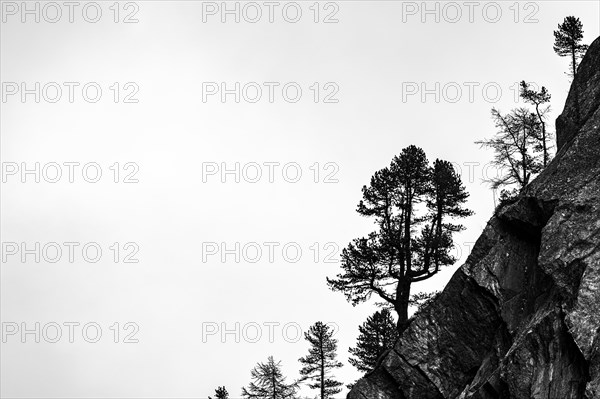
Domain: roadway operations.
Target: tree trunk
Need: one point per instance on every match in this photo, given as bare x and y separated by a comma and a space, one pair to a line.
523, 157
407, 235
401, 306
321, 343
574, 60
322, 382
438, 234
545, 147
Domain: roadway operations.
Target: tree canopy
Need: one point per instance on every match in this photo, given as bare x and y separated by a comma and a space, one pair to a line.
221, 393
321, 361
515, 145
377, 335
413, 204
567, 41
268, 382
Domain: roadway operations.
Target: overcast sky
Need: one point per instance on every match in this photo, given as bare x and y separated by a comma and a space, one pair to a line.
361, 77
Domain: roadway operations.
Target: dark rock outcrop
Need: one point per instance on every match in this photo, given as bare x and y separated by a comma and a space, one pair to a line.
521, 318
583, 99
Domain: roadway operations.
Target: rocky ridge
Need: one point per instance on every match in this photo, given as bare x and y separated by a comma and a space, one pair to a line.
521, 318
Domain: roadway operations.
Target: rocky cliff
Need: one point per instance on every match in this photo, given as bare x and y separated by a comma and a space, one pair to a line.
521, 318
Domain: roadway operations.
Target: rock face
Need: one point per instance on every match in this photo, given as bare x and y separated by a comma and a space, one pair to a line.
521, 318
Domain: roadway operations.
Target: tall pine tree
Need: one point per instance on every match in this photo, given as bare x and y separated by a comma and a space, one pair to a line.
567, 41
321, 360
377, 335
268, 382
411, 203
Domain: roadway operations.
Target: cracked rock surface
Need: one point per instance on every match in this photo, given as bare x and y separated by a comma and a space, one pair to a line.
521, 318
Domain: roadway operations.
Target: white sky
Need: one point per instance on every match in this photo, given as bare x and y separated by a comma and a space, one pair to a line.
370, 54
